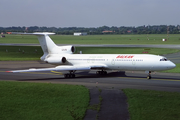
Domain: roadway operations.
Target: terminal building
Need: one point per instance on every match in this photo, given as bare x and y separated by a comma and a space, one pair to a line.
80, 33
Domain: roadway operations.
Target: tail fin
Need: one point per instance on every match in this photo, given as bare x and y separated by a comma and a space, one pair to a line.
48, 46
45, 41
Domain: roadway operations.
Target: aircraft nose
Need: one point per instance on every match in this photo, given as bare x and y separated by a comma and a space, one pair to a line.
171, 65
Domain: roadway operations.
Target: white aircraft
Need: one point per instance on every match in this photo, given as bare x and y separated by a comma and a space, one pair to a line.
63, 57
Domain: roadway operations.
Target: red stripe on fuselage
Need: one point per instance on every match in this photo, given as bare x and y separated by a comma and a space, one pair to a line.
125, 56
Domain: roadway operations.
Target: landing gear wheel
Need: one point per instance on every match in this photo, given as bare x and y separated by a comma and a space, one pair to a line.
72, 75
69, 75
66, 75
148, 77
98, 72
101, 72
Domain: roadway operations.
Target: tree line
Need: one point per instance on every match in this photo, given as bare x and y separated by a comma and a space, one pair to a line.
155, 29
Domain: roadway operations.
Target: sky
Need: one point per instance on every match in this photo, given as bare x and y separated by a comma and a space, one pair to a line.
88, 13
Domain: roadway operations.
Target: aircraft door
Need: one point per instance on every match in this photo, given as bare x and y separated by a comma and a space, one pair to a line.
133, 62
113, 62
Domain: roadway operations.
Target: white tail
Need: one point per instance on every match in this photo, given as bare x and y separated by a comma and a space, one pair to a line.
48, 46
46, 43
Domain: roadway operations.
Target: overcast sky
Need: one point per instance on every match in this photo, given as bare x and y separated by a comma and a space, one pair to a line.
89, 13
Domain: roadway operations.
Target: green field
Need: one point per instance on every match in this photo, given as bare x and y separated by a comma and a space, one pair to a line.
97, 39
42, 101
21, 53
153, 105
124, 50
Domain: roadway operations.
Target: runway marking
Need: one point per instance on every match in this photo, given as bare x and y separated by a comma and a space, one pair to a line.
57, 72
151, 79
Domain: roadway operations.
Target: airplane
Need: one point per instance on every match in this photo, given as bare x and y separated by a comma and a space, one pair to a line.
65, 59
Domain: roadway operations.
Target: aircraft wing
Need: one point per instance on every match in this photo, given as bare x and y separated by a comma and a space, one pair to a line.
62, 68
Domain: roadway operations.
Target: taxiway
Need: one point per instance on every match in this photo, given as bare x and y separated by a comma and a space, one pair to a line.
114, 79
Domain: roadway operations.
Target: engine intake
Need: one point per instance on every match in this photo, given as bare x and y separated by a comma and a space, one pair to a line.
63, 60
56, 60
73, 49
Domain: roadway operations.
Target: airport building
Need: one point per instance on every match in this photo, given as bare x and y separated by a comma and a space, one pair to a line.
80, 33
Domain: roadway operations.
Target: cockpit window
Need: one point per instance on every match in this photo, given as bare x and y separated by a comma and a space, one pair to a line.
163, 59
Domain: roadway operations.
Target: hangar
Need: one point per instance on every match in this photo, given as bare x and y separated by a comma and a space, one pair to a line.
80, 33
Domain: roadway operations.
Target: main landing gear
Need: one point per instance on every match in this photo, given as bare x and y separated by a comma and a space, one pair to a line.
70, 74
149, 75
101, 72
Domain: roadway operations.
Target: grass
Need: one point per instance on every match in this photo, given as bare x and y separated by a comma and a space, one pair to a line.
153, 105
118, 50
97, 39
42, 101
175, 70
20, 53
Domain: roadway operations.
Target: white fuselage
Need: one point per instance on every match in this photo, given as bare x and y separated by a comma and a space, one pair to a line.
144, 62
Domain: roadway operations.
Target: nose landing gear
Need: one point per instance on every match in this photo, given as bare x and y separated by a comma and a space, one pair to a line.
149, 75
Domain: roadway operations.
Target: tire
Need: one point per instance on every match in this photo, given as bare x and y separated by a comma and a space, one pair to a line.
148, 77
73, 76
65, 75
69, 75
